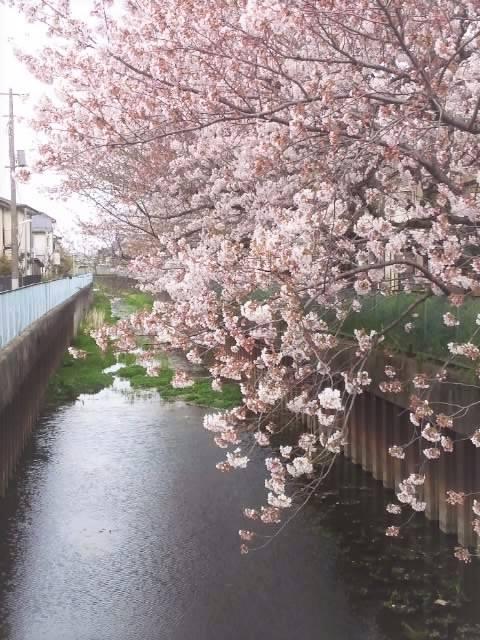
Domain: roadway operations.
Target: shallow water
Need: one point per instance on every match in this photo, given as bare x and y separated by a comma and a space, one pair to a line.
119, 527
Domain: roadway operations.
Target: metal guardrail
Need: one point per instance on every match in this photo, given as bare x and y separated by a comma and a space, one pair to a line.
20, 308
24, 281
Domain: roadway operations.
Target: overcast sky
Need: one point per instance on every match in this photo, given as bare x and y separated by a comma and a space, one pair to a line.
15, 32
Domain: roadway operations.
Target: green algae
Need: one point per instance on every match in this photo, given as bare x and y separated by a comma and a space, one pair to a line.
84, 375
200, 393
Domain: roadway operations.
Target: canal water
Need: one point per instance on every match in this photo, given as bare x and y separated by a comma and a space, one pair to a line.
119, 527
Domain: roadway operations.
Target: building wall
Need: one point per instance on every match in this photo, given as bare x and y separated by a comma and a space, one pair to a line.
2, 216
40, 246
24, 237
44, 249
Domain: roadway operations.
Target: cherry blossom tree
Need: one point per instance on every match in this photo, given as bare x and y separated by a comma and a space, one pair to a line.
274, 163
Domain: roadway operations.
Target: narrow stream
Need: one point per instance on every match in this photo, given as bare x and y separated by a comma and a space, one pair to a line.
119, 527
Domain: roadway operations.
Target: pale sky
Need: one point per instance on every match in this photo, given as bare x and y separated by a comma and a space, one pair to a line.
15, 32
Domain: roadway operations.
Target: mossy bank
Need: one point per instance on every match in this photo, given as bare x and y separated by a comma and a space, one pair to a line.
200, 393
86, 375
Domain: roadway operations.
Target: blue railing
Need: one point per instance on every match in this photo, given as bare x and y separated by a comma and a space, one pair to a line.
20, 308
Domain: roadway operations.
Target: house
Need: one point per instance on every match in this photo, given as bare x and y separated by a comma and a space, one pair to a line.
38, 246
45, 243
24, 216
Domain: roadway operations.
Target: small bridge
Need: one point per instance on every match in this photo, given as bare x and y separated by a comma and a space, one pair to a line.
37, 324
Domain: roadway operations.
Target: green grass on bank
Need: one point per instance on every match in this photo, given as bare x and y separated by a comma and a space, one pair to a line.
429, 335
75, 377
200, 393
101, 306
131, 300
137, 301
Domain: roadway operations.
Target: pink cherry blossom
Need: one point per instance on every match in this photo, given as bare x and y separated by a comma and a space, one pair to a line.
455, 497
330, 399
394, 508
300, 466
397, 452
475, 438
450, 320
261, 438
246, 535
431, 453
77, 354
418, 505
270, 169
181, 380
430, 433
286, 451
463, 554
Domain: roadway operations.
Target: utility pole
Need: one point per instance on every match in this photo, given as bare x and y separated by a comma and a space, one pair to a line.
13, 192
13, 189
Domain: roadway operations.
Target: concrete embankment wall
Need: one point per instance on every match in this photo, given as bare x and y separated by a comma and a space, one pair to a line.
380, 420
385, 419
26, 365
376, 424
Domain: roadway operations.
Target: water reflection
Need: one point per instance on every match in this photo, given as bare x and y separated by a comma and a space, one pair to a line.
412, 585
119, 527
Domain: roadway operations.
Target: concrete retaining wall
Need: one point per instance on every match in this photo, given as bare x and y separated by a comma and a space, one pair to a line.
379, 420
26, 365
376, 424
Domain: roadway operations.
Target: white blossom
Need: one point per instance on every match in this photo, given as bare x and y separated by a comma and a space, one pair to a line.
475, 438
450, 320
236, 460
394, 508
281, 501
330, 399
285, 452
299, 467
261, 438
397, 452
